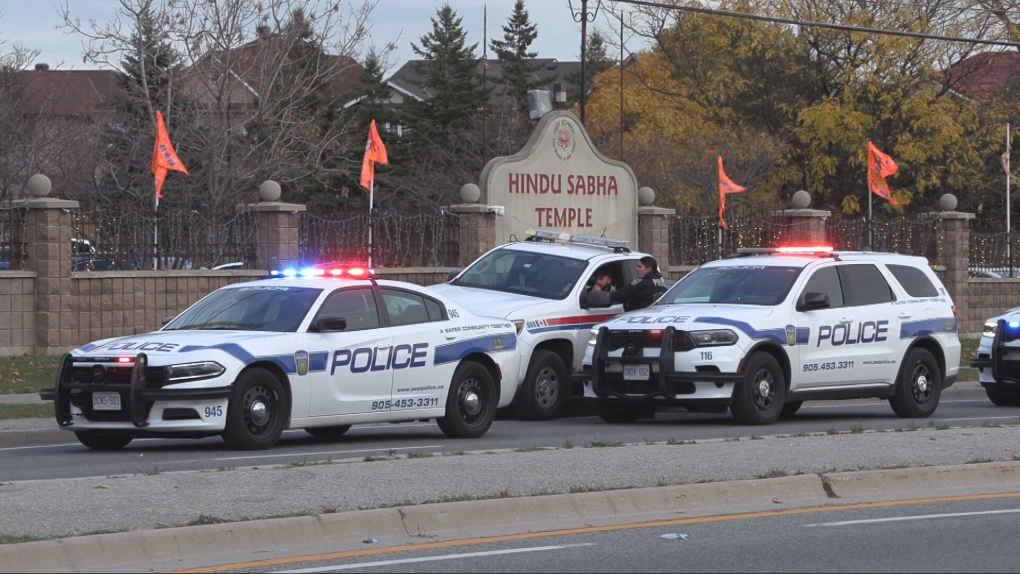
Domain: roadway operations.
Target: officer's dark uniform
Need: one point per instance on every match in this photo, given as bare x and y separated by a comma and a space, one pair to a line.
642, 292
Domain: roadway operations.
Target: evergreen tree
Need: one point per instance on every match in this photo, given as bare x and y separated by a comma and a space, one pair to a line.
596, 60
451, 79
513, 50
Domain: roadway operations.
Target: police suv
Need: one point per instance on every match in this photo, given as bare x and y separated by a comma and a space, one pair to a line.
761, 332
998, 359
318, 349
540, 284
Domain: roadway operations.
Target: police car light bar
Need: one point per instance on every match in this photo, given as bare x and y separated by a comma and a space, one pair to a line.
327, 270
553, 235
787, 250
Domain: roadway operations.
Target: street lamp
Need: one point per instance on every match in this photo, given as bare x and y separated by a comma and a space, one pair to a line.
583, 16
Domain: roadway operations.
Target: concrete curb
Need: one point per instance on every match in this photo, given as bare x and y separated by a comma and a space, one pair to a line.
241, 541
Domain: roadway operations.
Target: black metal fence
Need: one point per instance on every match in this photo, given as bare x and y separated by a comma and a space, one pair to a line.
12, 226
398, 240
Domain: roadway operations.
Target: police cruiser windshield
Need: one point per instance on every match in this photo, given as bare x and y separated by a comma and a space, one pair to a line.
263, 308
524, 273
733, 284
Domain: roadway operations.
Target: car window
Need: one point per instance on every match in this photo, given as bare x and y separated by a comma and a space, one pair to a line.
406, 308
864, 284
356, 305
914, 281
261, 308
825, 280
525, 273
733, 284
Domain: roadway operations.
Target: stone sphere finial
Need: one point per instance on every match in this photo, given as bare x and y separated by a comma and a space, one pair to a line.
39, 185
645, 196
801, 199
269, 190
469, 193
947, 202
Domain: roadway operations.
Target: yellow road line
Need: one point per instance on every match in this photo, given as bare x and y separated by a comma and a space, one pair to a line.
589, 529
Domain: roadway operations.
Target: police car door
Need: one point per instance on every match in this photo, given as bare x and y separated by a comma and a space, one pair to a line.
357, 378
623, 273
419, 325
827, 359
876, 330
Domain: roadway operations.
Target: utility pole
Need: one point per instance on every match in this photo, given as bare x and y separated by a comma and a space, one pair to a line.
583, 16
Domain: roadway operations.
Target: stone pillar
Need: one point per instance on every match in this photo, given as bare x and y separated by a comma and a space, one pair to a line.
477, 228
47, 253
953, 252
277, 233
653, 233
804, 226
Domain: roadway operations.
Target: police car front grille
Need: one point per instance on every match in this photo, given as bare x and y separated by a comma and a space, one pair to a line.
115, 375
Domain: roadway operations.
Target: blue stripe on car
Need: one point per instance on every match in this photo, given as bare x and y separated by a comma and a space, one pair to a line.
913, 329
452, 352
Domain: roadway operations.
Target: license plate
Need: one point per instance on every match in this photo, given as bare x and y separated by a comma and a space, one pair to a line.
105, 401
636, 372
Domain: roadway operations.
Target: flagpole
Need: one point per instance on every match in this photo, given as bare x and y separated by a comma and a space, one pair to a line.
1009, 231
155, 235
871, 233
371, 199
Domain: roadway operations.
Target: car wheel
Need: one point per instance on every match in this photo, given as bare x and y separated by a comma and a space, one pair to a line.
919, 386
1002, 399
790, 409
544, 388
758, 399
611, 413
256, 412
102, 442
329, 432
470, 404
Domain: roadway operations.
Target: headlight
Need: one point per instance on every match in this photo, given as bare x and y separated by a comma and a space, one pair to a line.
989, 330
593, 334
194, 371
519, 325
715, 338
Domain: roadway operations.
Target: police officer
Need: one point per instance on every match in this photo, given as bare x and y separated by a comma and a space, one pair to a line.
645, 289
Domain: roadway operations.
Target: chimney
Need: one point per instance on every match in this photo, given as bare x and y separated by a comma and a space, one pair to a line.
42, 67
262, 32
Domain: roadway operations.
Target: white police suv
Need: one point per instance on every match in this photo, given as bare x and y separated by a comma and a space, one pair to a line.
319, 350
540, 284
998, 359
764, 331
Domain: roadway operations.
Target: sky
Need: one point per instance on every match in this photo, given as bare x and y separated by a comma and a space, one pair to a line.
34, 24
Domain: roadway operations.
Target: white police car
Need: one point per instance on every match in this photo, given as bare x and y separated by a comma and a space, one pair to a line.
998, 359
764, 331
540, 284
318, 353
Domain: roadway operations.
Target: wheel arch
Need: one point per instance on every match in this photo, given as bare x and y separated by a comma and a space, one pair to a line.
278, 372
778, 354
932, 346
491, 366
562, 347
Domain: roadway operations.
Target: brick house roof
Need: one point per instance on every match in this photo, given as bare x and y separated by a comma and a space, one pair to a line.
69, 92
985, 75
549, 71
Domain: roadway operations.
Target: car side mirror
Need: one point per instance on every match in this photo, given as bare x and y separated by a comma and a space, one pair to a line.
599, 300
814, 301
330, 323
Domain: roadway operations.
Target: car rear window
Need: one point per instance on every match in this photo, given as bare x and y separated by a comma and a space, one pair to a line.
914, 281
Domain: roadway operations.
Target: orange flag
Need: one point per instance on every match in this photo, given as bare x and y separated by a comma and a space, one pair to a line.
880, 166
164, 158
726, 185
375, 152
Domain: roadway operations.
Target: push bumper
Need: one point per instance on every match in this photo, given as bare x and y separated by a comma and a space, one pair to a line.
1003, 369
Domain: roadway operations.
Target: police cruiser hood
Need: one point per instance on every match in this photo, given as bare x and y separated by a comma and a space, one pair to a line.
168, 347
692, 317
491, 303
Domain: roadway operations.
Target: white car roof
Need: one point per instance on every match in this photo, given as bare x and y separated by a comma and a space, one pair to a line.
777, 260
565, 249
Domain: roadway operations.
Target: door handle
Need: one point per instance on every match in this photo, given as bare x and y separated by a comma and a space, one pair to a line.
904, 315
450, 336
383, 346
845, 320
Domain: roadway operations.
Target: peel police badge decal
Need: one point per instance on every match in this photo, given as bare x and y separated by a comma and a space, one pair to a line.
791, 335
301, 358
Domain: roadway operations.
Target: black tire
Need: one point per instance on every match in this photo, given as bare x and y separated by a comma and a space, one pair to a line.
102, 442
790, 409
257, 411
1002, 399
471, 402
328, 432
617, 414
918, 387
544, 389
758, 399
